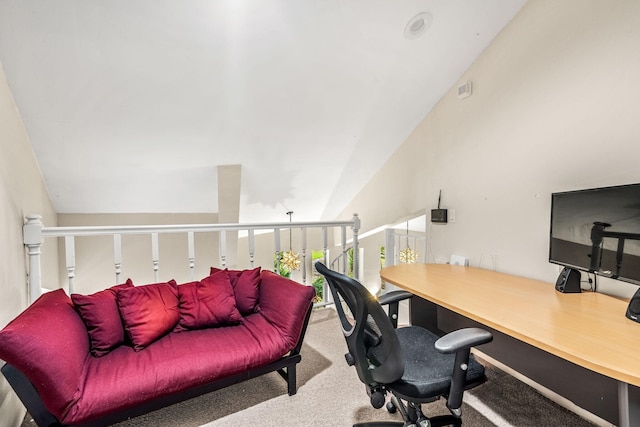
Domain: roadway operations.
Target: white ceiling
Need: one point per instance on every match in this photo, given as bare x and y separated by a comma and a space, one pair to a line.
130, 105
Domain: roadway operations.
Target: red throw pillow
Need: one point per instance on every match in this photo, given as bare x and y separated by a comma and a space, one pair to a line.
246, 287
99, 312
209, 302
148, 312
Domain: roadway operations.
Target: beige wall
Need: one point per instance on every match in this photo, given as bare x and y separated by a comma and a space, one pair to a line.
555, 107
22, 191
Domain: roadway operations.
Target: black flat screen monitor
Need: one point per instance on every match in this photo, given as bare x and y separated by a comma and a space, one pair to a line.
598, 230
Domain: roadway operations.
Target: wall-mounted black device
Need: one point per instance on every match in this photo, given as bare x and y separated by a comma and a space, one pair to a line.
439, 215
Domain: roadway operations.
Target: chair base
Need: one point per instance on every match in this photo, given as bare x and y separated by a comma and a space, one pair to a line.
439, 421
380, 424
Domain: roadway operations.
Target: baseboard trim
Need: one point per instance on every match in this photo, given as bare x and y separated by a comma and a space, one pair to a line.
549, 394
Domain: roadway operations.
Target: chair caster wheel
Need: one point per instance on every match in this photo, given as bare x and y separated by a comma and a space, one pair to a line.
391, 408
377, 399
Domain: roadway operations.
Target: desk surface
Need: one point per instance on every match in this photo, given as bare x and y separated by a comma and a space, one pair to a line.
589, 329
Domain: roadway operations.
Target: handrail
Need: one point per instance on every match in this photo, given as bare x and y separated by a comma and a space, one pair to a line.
176, 228
34, 233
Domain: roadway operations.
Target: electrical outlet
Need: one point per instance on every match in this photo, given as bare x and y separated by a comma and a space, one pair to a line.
452, 215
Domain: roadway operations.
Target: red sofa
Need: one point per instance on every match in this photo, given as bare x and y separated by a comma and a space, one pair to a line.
70, 364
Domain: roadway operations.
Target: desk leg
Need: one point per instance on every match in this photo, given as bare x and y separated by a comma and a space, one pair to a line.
628, 404
424, 313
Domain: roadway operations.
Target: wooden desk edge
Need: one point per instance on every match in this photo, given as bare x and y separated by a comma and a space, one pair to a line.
576, 359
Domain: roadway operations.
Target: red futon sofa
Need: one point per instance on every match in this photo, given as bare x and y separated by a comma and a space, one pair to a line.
124, 351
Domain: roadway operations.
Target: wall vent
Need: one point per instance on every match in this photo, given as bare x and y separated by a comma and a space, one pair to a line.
464, 90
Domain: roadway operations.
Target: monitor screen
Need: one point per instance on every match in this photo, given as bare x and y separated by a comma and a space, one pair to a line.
598, 230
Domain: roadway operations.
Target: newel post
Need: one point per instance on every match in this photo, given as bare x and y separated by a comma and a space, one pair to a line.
32, 238
356, 251
389, 247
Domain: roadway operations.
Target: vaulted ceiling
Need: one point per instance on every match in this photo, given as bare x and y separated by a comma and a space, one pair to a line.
131, 105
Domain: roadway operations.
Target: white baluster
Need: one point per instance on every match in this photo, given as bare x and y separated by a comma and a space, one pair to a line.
345, 256
325, 246
356, 252
192, 254
326, 297
117, 255
276, 240
389, 247
223, 249
252, 246
70, 255
155, 255
304, 255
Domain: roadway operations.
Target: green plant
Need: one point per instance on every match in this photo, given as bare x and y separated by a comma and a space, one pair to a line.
280, 269
318, 284
318, 280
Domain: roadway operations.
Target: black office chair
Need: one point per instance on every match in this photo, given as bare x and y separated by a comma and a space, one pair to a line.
412, 363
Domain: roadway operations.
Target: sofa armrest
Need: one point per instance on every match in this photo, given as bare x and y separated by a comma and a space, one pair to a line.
49, 344
285, 304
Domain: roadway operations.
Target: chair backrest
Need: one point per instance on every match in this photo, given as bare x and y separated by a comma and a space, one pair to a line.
371, 338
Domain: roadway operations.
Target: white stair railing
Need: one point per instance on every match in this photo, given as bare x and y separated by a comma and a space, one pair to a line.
34, 234
403, 247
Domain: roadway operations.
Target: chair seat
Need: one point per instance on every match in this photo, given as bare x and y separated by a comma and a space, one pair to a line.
427, 372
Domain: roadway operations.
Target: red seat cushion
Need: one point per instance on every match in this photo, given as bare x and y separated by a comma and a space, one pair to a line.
99, 312
148, 312
246, 288
178, 361
208, 302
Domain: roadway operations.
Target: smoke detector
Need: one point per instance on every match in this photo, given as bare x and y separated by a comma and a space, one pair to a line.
418, 25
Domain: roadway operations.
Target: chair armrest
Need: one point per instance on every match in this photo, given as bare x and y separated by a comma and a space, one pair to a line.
462, 339
394, 296
460, 343
392, 299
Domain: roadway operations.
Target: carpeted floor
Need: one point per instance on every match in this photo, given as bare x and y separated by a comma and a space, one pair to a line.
330, 394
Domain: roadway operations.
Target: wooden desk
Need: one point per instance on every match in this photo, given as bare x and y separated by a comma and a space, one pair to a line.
588, 329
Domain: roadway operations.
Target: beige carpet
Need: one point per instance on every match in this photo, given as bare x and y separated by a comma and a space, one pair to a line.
330, 394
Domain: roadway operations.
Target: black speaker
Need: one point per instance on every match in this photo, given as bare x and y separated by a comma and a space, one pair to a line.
568, 281
633, 310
